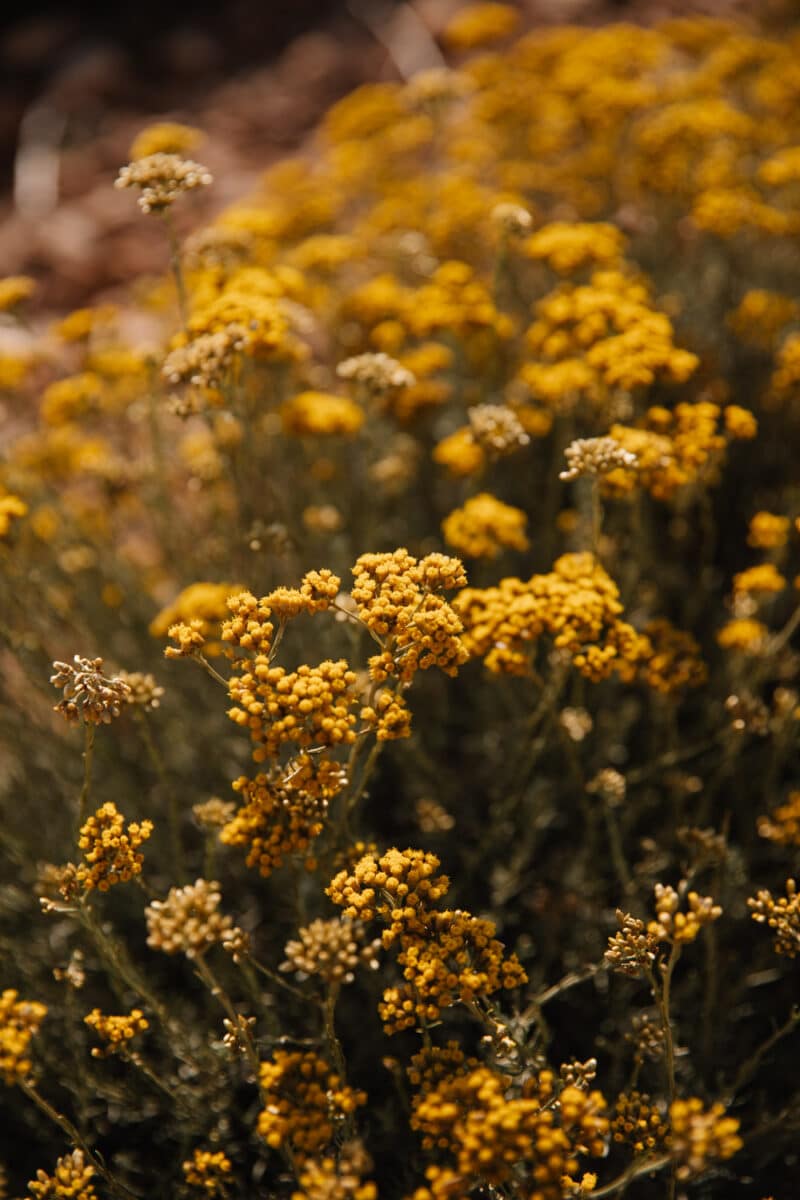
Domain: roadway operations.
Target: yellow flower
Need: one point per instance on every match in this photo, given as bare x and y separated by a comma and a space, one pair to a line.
481, 25
165, 137
321, 414
485, 526
14, 289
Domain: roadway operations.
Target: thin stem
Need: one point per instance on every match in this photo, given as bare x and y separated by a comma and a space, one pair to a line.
173, 810
206, 665
331, 1037
749, 1068
366, 771
563, 985
634, 1171
218, 992
615, 845
64, 1123
275, 978
88, 749
177, 268
597, 518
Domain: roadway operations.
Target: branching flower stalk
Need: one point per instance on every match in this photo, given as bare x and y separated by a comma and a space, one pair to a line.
116, 1187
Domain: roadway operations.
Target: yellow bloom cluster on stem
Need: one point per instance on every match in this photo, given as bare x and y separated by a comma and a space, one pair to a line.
111, 852
19, 1022
447, 957
576, 604
305, 1103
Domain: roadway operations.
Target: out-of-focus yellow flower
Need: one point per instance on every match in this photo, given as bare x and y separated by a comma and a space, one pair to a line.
480, 25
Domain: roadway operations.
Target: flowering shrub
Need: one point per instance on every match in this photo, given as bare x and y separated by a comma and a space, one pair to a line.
406, 873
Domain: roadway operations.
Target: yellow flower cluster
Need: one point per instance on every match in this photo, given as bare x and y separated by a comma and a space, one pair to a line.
485, 526
761, 315
568, 246
116, 1031
786, 375
783, 823
205, 603
327, 1179
457, 960
672, 925
209, 1171
14, 290
397, 597
677, 448
321, 415
399, 888
699, 1135
11, 507
745, 634
675, 662
764, 578
19, 1022
576, 604
305, 1102
312, 706
491, 1135
781, 915
110, 850
593, 340
275, 822
71, 1180
768, 531
446, 957
165, 137
481, 25
638, 1123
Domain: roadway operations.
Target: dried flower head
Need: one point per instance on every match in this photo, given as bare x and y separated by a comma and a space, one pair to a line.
497, 429
633, 948
144, 691
609, 785
332, 949
110, 851
213, 813
162, 178
512, 219
782, 916
376, 372
187, 921
596, 457
88, 694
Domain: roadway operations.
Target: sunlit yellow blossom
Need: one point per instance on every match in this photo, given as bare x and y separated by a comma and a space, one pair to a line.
165, 137
14, 290
484, 527
768, 531
480, 25
322, 414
